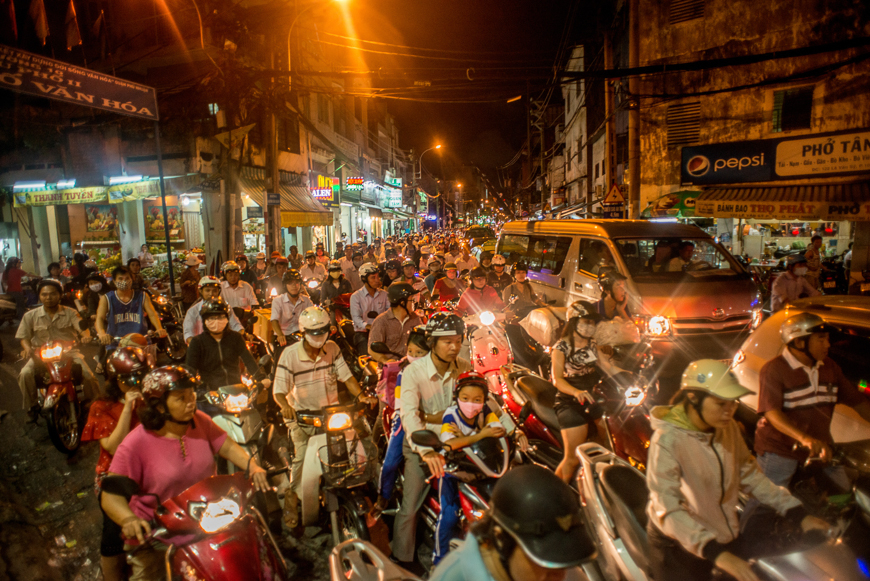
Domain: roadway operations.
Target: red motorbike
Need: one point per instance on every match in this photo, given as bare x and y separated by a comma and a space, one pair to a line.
212, 530
59, 392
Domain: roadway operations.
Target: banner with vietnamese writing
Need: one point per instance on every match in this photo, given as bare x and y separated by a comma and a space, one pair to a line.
786, 211
61, 197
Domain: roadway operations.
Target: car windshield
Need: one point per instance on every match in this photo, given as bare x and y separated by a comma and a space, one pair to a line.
849, 348
673, 258
480, 233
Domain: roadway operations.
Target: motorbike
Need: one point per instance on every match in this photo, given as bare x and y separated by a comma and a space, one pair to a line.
614, 495
60, 392
173, 345
312, 287
340, 462
213, 530
356, 560
489, 347
833, 278
478, 467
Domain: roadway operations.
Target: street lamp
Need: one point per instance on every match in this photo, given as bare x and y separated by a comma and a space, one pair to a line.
293, 24
414, 185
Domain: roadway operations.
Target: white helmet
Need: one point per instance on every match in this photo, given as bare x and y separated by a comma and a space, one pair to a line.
498, 260
433, 260
713, 377
366, 270
229, 265
314, 320
209, 281
802, 325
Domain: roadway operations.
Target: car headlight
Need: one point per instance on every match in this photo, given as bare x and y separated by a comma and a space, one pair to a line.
739, 358
236, 403
634, 396
339, 421
658, 326
757, 316
487, 318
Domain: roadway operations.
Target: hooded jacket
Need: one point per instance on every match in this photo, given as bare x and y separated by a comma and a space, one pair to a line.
694, 478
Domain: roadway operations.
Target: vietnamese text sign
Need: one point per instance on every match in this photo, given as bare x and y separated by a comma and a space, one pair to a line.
273, 199
821, 155
787, 211
62, 197
32, 74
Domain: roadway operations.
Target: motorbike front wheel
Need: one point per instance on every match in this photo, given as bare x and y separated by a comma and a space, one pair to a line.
65, 426
174, 345
351, 525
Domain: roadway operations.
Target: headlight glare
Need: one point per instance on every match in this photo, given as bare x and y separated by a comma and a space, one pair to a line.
339, 421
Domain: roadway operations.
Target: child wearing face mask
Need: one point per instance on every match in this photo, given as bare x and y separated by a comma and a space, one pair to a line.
464, 423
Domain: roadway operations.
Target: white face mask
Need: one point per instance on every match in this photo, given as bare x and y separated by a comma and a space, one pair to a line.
125, 284
216, 325
95, 287
800, 271
317, 341
412, 359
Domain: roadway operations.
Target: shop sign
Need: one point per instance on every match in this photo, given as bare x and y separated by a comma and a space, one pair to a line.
93, 195
273, 199
255, 212
354, 184
821, 155
326, 190
786, 211
154, 225
32, 74
393, 198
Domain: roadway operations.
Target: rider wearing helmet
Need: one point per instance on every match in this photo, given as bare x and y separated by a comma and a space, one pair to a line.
247, 274
614, 298
427, 390
521, 288
479, 296
312, 269
172, 450
216, 353
391, 272
287, 308
237, 293
791, 285
693, 523
394, 325
307, 379
434, 265
497, 278
335, 285
276, 281
486, 261
189, 280
209, 288
533, 530
366, 304
110, 419
796, 397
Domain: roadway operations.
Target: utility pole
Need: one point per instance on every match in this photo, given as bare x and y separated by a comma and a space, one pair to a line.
633, 113
273, 157
609, 119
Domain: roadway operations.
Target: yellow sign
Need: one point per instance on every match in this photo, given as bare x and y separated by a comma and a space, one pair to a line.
818, 156
61, 197
614, 196
788, 211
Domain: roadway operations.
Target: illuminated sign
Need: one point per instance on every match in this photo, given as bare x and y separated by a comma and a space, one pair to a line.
354, 184
325, 190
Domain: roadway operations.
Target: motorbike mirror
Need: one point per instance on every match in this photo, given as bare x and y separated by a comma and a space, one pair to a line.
120, 485
372, 314
381, 348
265, 359
426, 438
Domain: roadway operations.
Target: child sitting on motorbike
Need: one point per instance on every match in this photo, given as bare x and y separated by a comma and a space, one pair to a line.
110, 419
393, 457
464, 423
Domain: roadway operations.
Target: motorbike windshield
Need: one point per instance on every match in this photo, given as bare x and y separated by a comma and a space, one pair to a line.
489, 455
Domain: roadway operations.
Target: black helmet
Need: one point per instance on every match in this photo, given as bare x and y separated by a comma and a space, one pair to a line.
478, 272
607, 278
290, 276
542, 515
214, 308
393, 265
583, 310
444, 325
485, 255
400, 291
520, 266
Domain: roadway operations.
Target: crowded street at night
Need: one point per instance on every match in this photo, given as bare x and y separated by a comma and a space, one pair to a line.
377, 290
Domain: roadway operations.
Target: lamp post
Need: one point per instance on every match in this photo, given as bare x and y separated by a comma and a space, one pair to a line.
414, 185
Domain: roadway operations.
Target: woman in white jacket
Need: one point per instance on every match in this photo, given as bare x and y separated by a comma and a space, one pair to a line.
698, 463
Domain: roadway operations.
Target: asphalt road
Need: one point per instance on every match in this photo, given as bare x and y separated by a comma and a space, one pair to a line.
50, 522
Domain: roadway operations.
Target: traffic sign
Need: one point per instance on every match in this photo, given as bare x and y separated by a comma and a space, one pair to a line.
613, 212
614, 196
273, 199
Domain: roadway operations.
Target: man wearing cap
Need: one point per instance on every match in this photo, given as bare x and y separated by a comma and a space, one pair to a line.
312, 269
189, 281
260, 267
276, 281
209, 288
236, 292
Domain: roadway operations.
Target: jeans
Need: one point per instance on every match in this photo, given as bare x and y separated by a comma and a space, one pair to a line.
448, 518
414, 492
393, 459
780, 470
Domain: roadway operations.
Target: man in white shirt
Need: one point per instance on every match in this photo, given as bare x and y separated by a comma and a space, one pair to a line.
467, 261
312, 269
209, 288
366, 304
236, 292
287, 307
684, 259
791, 285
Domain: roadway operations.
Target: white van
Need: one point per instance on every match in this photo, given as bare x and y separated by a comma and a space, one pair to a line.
702, 306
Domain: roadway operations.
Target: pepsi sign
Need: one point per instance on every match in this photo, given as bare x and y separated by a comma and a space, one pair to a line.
728, 163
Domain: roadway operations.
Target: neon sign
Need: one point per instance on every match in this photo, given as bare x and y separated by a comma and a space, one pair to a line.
354, 184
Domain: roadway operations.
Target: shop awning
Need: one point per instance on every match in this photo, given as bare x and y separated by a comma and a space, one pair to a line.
298, 208
834, 202
375, 212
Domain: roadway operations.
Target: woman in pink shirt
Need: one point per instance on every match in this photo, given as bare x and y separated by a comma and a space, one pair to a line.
169, 452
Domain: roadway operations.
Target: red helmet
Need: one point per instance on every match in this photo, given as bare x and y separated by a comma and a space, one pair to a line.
470, 378
169, 378
126, 362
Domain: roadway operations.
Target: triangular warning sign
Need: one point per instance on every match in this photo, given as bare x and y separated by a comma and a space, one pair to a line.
614, 196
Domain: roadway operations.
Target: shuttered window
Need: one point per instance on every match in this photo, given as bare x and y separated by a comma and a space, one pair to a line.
685, 10
792, 109
684, 124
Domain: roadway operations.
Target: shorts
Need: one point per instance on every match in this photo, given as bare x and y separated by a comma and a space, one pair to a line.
573, 414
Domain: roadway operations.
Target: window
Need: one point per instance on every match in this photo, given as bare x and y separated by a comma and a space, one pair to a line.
594, 254
213, 108
323, 108
667, 258
544, 254
685, 10
683, 124
596, 171
288, 135
792, 109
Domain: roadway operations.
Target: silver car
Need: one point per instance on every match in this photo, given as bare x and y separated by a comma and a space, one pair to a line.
850, 348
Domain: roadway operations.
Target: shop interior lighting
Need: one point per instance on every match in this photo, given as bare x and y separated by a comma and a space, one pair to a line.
64, 184
185, 201
114, 180
18, 186
346, 204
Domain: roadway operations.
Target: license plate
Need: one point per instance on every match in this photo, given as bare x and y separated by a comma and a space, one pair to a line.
865, 287
830, 284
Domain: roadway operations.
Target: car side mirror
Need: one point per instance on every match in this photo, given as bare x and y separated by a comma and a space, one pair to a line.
427, 439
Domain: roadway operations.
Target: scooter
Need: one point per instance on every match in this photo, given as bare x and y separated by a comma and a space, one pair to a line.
614, 495
357, 560
340, 461
212, 530
489, 347
173, 345
312, 287
59, 392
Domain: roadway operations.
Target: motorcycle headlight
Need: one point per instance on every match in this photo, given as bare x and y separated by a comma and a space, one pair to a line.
339, 421
634, 396
487, 318
51, 352
218, 515
312, 284
659, 326
236, 403
757, 315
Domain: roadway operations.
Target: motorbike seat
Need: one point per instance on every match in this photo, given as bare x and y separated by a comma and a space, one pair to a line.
626, 496
541, 395
526, 351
